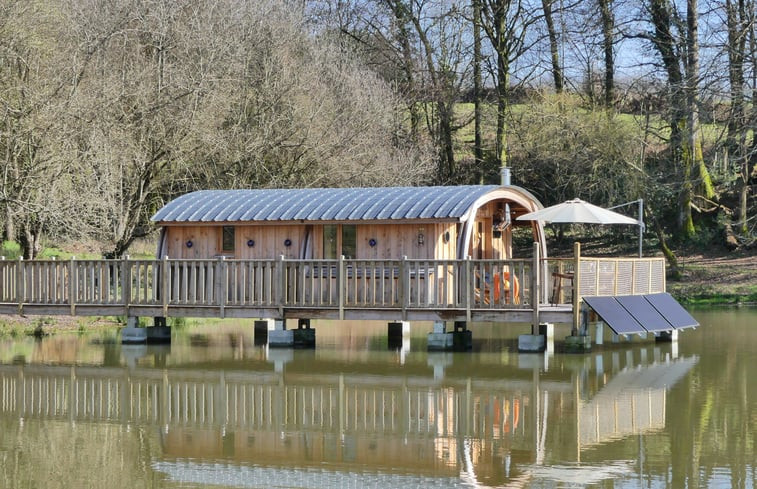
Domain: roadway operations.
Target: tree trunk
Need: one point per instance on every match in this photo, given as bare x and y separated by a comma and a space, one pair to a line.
30, 240
608, 41
478, 150
503, 98
665, 43
554, 52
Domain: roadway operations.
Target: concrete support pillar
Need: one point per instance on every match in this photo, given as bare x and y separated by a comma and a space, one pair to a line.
279, 336
262, 326
531, 343
542, 338
547, 330
578, 343
599, 333
461, 339
438, 339
132, 333
302, 337
667, 336
158, 334
397, 331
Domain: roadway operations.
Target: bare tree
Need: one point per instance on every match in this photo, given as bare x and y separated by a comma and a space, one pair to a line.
677, 44
506, 24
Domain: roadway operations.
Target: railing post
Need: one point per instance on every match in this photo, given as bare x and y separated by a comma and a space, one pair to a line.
20, 284
536, 289
222, 284
125, 283
72, 285
404, 287
165, 284
280, 297
468, 288
576, 287
340, 286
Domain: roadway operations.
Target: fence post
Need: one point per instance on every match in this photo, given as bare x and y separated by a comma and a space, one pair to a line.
125, 283
222, 284
341, 284
576, 287
72, 285
280, 290
468, 287
404, 286
536, 289
165, 284
20, 284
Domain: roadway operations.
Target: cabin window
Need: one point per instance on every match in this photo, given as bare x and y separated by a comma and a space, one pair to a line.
329, 242
227, 239
339, 240
349, 241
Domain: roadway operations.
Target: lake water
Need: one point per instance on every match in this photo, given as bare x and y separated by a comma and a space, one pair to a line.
215, 410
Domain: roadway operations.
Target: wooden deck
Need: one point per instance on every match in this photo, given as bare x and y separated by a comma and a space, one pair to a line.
530, 291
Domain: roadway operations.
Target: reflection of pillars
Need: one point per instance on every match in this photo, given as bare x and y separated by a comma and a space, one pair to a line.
279, 357
71, 383
535, 419
468, 406
577, 401
615, 362
164, 417
223, 400
599, 363
21, 393
279, 413
439, 361
404, 409
341, 404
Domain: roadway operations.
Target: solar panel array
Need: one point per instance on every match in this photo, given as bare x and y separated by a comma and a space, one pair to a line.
632, 314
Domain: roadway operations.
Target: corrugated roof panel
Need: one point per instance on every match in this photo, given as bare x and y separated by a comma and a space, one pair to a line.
333, 204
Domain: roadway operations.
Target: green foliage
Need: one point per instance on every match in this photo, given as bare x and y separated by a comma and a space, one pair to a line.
10, 250
559, 150
178, 323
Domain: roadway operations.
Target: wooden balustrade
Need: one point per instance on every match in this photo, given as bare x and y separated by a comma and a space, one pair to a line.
218, 286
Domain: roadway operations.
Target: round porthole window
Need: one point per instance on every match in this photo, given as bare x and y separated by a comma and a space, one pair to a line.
250, 243
189, 244
287, 242
446, 237
372, 242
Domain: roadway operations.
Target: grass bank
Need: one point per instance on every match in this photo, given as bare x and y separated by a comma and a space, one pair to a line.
716, 280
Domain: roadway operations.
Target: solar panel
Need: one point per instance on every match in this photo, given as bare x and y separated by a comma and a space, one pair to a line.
644, 313
615, 315
673, 312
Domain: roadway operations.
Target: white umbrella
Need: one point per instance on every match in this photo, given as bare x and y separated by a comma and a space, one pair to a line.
577, 210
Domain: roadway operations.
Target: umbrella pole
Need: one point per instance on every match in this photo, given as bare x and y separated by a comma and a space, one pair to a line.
641, 225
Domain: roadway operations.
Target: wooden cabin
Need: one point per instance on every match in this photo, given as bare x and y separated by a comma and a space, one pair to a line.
362, 223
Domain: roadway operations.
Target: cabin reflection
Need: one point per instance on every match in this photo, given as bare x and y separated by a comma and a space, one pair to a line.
493, 429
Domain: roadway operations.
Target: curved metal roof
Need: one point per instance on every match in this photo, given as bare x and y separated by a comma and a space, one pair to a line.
323, 204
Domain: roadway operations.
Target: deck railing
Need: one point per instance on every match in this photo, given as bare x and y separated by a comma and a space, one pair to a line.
406, 284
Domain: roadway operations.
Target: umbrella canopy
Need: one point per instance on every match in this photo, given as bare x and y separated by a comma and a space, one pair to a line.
577, 210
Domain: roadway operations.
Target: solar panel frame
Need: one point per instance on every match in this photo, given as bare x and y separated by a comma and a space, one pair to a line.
644, 313
671, 310
615, 315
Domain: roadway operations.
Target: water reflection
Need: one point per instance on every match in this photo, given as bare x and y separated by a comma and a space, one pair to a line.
217, 408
